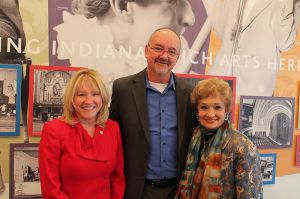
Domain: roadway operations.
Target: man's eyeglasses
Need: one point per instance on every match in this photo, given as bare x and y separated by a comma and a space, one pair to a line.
171, 52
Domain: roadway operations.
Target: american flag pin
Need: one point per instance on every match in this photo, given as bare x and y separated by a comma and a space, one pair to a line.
101, 132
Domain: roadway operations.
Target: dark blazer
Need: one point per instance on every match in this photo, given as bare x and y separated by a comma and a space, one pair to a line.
11, 26
129, 108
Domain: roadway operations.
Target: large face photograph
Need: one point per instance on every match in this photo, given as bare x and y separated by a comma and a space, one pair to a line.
267, 121
214, 40
111, 38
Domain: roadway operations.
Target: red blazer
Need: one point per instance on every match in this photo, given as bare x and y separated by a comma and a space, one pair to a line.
74, 165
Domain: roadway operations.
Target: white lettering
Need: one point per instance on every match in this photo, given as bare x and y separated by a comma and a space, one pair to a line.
53, 47
11, 42
206, 58
256, 62
70, 49
272, 62
122, 51
31, 43
246, 60
225, 61
140, 54
192, 56
281, 64
235, 61
291, 64
85, 49
109, 51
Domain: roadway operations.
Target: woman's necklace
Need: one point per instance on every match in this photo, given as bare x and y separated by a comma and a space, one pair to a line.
206, 142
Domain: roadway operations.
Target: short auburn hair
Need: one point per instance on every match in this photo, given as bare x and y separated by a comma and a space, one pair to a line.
212, 87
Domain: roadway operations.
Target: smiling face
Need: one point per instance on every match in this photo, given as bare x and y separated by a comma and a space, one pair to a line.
211, 112
159, 59
87, 102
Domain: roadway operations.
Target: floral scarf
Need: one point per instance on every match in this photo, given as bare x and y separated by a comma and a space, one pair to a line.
208, 171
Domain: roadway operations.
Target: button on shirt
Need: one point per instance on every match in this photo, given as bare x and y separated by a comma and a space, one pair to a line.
162, 114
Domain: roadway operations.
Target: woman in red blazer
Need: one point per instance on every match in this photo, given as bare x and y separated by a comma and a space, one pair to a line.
81, 154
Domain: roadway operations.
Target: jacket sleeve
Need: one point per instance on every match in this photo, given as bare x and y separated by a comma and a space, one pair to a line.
283, 24
49, 161
113, 109
248, 180
117, 176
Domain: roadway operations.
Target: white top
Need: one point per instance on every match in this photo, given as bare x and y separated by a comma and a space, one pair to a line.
158, 86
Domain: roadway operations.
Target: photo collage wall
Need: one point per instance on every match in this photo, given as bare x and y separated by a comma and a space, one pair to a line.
256, 55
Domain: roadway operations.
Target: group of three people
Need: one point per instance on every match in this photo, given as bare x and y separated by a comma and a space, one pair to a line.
152, 147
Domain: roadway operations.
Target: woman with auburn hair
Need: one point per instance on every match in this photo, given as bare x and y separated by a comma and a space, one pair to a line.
80, 153
221, 162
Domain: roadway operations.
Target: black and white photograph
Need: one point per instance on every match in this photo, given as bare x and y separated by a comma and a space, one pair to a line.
12, 35
10, 96
46, 91
268, 168
113, 34
24, 175
267, 121
253, 37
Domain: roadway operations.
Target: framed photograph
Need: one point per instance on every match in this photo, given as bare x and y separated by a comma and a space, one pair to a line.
24, 175
47, 86
267, 121
268, 168
194, 79
298, 150
10, 99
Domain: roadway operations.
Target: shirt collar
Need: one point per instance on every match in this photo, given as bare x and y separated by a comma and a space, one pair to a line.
171, 83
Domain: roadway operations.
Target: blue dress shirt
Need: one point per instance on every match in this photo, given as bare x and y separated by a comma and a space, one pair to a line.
162, 115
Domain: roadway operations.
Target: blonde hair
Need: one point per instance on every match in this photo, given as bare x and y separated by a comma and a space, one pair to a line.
93, 77
212, 87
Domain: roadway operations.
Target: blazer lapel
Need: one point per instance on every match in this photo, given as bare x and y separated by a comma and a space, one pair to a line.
140, 100
182, 97
259, 6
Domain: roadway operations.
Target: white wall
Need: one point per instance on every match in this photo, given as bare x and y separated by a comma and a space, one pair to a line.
286, 187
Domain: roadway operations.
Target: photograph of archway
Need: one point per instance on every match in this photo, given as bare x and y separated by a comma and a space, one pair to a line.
24, 172
267, 121
46, 91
